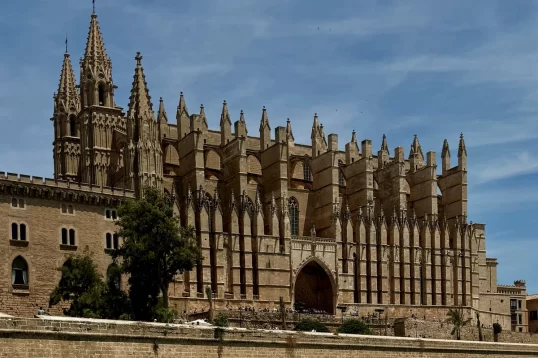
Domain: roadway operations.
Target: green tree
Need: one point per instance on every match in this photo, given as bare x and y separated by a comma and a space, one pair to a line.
155, 249
456, 317
82, 285
354, 326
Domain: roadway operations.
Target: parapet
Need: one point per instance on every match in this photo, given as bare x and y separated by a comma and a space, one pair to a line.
62, 189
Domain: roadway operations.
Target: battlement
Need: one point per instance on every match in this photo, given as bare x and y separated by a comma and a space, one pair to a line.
17, 181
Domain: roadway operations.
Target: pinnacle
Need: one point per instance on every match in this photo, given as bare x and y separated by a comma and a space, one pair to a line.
384, 145
242, 116
416, 148
67, 87
354, 137
462, 150
265, 119
95, 51
225, 116
289, 132
446, 149
182, 107
161, 116
140, 100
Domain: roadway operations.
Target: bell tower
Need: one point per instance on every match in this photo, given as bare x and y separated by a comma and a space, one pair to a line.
102, 124
66, 124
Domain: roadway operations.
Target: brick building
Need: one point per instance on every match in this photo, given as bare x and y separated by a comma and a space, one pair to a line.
315, 224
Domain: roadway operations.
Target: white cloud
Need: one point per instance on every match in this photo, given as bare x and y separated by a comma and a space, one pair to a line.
507, 167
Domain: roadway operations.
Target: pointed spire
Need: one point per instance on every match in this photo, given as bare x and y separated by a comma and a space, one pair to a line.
264, 123
384, 145
461, 148
416, 149
182, 107
289, 132
67, 90
225, 116
353, 137
140, 100
161, 116
446, 150
95, 52
202, 115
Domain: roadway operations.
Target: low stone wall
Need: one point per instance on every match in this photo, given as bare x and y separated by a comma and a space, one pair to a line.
106, 339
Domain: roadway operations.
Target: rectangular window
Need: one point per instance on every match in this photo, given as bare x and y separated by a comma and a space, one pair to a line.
533, 315
513, 304
519, 304
520, 319
115, 241
64, 236
14, 231
513, 319
72, 237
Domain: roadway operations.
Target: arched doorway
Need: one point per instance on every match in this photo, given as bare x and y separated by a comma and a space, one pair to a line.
314, 289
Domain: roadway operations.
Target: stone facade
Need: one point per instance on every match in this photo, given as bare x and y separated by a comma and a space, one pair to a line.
314, 224
532, 309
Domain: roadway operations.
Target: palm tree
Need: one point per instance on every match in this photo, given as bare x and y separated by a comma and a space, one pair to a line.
209, 294
457, 319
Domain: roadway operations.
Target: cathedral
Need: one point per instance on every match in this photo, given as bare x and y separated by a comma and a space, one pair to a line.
325, 226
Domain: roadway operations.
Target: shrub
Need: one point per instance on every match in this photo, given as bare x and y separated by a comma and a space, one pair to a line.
165, 315
221, 320
354, 326
309, 324
497, 328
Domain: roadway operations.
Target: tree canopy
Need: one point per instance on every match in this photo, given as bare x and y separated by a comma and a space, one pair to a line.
90, 296
154, 250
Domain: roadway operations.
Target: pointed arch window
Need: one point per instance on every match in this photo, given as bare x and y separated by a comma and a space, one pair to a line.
307, 173
19, 273
101, 90
293, 207
72, 126
341, 178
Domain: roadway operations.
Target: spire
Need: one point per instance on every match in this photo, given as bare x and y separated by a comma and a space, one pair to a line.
161, 116
446, 150
289, 132
182, 107
462, 151
416, 149
140, 100
67, 90
384, 145
264, 123
202, 116
225, 116
95, 52
315, 127
353, 137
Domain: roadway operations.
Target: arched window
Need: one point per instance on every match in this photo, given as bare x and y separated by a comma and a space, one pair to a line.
14, 203
108, 240
107, 213
19, 272
14, 231
114, 215
21, 203
64, 236
72, 237
293, 207
341, 178
64, 209
101, 90
307, 173
70, 209
22, 228
115, 241
72, 126
113, 276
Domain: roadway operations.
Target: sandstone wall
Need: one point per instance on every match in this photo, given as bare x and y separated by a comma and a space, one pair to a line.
44, 338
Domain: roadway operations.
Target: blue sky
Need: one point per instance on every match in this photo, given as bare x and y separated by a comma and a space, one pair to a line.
434, 68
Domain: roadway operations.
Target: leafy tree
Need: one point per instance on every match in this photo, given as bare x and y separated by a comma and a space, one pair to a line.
82, 285
221, 320
155, 249
457, 318
309, 324
354, 326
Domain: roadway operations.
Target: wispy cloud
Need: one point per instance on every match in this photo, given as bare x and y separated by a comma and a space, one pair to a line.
507, 167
